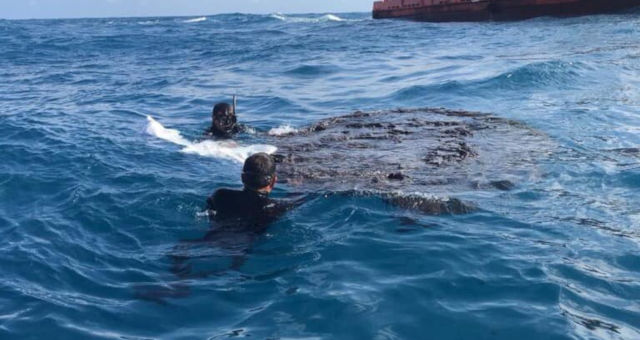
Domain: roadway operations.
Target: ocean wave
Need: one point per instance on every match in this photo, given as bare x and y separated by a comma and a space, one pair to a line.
331, 17
282, 130
154, 128
149, 22
208, 148
93, 207
551, 74
227, 150
312, 70
278, 16
200, 19
298, 19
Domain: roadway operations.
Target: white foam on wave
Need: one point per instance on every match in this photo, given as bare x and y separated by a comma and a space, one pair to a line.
282, 130
149, 22
324, 18
227, 150
208, 148
154, 128
200, 19
278, 16
331, 17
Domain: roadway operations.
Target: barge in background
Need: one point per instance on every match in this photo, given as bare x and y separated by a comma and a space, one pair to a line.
499, 10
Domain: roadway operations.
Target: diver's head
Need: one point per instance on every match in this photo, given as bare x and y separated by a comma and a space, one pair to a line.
259, 173
224, 119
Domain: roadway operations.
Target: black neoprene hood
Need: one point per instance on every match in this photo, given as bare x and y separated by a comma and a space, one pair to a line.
258, 171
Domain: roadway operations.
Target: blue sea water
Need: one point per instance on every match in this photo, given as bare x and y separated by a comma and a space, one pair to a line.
91, 206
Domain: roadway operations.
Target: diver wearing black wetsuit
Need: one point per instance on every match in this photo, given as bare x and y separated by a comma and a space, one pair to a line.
224, 123
252, 205
238, 217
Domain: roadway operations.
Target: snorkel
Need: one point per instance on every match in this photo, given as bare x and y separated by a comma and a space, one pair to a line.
235, 103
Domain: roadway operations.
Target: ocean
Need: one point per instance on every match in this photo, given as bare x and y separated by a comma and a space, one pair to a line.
104, 172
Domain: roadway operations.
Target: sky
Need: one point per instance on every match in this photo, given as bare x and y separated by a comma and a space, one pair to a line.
27, 9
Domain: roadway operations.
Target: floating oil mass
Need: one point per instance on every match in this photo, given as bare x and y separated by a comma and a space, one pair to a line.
435, 151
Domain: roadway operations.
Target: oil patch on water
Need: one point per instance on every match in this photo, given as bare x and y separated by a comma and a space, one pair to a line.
426, 150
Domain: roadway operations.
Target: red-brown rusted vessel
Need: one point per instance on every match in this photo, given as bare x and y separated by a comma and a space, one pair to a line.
482, 10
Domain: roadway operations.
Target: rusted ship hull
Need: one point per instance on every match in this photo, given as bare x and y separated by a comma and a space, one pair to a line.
498, 10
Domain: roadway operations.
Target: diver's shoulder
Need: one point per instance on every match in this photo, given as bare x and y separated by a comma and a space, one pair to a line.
223, 197
224, 192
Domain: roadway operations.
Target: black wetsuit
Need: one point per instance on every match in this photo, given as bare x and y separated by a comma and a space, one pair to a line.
238, 217
213, 132
245, 208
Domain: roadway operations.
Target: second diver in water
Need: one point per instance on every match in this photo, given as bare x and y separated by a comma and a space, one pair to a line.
224, 123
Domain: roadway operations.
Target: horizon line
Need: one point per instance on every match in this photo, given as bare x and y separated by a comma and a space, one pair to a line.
170, 16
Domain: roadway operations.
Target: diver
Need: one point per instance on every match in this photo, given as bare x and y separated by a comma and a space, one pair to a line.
224, 123
238, 218
252, 203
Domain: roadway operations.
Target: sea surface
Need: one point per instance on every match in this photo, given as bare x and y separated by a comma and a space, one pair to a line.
93, 203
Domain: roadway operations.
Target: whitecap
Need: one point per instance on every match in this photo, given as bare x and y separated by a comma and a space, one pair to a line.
208, 148
278, 16
282, 130
200, 19
331, 17
297, 19
227, 150
148, 22
154, 128
250, 130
